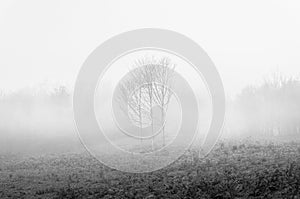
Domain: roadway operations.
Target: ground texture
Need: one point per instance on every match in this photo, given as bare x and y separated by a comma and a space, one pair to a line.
233, 170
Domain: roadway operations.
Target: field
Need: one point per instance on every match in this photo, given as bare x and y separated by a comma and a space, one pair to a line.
234, 169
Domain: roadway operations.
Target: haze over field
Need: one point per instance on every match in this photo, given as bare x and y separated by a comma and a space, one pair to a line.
144, 123
44, 43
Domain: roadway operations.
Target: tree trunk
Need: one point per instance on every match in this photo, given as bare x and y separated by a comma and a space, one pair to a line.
163, 126
140, 115
151, 115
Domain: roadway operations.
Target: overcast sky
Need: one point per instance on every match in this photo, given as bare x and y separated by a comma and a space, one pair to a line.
47, 41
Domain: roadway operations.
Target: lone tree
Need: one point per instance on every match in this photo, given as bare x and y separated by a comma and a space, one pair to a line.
147, 85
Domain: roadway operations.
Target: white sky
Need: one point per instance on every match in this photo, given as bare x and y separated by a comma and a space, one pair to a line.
47, 41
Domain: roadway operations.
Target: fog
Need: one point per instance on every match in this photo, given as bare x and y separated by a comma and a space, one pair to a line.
268, 110
35, 121
47, 41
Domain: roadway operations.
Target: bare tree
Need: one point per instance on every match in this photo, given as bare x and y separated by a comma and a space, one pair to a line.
130, 100
146, 86
163, 82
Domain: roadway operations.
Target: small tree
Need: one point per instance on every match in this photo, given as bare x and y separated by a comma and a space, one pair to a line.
147, 84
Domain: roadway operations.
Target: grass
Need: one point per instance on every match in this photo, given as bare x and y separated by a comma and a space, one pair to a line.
247, 169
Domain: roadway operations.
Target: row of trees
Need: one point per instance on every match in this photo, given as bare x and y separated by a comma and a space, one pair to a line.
272, 108
37, 120
146, 86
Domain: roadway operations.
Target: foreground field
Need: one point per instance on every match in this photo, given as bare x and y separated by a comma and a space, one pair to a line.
233, 170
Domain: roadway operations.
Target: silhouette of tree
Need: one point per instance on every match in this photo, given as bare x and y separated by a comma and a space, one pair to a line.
272, 108
147, 85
